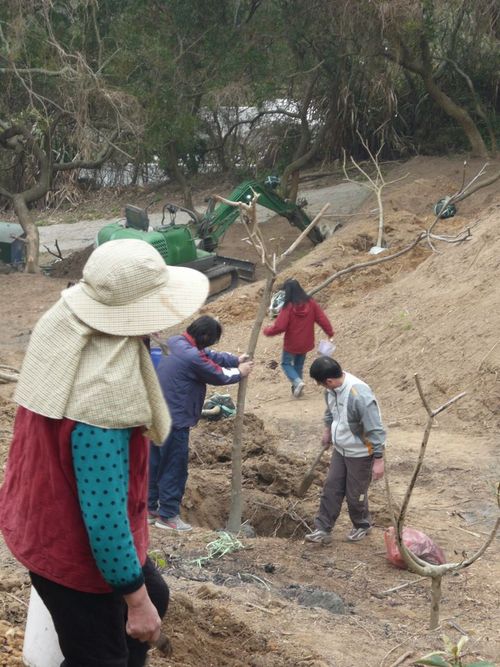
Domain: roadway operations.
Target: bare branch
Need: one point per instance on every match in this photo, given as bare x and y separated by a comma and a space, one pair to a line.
38, 70
365, 265
375, 184
414, 563
306, 231
57, 254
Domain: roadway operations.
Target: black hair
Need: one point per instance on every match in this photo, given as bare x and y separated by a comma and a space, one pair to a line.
324, 368
294, 293
205, 330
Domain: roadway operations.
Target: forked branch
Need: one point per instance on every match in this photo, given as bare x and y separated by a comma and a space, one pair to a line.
414, 563
375, 183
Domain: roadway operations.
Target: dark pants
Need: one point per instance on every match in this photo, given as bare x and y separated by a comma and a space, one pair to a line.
348, 478
91, 626
168, 473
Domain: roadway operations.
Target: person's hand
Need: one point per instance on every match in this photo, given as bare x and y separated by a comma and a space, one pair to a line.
245, 368
326, 438
243, 357
143, 621
378, 469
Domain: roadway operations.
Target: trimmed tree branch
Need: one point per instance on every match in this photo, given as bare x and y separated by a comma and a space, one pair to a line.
414, 563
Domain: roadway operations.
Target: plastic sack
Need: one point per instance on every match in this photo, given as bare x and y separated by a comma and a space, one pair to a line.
277, 301
155, 353
417, 542
326, 348
218, 406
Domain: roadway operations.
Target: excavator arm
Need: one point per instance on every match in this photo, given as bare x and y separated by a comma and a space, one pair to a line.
220, 217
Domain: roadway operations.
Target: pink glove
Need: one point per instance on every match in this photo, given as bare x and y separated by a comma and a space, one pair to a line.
378, 469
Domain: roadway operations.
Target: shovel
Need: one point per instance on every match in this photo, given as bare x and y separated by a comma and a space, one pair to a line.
163, 645
309, 476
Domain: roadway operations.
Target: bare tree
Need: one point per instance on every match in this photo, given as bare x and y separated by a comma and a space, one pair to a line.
56, 118
414, 563
376, 182
248, 216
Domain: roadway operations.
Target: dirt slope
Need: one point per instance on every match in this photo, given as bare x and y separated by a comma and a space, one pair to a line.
275, 600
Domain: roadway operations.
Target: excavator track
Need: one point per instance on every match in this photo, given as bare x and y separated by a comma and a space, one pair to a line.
222, 279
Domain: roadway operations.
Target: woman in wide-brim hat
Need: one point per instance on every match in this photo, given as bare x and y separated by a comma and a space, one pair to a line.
72, 507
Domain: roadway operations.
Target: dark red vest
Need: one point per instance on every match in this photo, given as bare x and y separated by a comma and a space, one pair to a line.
40, 515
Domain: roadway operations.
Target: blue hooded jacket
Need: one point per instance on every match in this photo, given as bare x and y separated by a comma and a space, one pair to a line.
184, 374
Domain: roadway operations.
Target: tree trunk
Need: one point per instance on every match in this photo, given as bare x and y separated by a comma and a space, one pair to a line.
31, 230
294, 186
180, 177
380, 204
478, 147
435, 602
292, 170
236, 509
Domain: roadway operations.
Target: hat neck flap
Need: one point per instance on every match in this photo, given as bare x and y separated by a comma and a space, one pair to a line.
73, 371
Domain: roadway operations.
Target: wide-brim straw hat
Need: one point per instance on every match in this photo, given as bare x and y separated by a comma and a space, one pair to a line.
128, 290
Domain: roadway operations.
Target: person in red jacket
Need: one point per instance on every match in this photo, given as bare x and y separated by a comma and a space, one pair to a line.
296, 320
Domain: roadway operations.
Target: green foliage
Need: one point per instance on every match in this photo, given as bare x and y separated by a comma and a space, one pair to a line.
224, 544
452, 656
174, 76
158, 558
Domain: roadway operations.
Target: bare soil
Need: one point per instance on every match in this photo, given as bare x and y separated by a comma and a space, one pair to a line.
276, 601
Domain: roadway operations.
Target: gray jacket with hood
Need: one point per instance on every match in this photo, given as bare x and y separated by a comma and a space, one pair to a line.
354, 417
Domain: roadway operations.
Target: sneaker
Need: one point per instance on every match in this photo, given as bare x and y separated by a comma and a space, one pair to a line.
298, 389
174, 523
152, 517
357, 534
319, 536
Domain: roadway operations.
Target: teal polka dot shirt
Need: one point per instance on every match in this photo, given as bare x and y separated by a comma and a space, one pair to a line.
101, 464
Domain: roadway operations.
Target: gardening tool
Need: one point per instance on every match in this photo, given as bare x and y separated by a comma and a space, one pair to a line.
309, 476
163, 645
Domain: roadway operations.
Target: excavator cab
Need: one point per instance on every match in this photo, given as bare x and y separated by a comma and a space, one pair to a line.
136, 218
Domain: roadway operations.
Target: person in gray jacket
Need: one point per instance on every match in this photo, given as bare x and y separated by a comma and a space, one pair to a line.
354, 425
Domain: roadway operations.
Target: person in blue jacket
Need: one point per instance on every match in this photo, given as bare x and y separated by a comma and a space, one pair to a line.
184, 374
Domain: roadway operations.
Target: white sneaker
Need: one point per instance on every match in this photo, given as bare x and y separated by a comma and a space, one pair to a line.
298, 389
356, 534
174, 523
319, 537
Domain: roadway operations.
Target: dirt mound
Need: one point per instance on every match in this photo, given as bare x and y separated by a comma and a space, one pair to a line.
71, 267
205, 632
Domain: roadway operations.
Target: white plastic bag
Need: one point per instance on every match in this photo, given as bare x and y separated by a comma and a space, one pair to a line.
41, 645
326, 348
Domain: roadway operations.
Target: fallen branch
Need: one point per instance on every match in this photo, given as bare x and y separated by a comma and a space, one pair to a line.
59, 254
401, 659
482, 184
365, 265
400, 587
462, 193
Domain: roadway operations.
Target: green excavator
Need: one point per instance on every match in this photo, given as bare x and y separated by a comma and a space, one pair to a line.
195, 244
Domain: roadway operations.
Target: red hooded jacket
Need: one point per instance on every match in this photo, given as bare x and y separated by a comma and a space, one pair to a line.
297, 321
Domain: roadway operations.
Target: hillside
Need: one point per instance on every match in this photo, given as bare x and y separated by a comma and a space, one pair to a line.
435, 312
